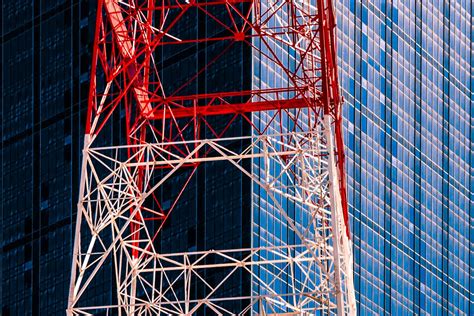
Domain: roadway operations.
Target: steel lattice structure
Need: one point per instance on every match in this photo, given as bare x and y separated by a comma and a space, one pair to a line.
299, 151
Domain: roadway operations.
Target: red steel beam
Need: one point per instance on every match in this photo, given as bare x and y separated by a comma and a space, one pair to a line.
234, 108
324, 92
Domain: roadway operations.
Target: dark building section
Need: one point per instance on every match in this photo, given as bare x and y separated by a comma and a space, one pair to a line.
214, 210
46, 48
46, 51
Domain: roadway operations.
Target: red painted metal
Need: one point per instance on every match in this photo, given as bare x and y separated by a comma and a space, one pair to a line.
125, 76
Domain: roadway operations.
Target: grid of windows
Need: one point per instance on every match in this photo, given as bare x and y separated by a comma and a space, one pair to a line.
407, 81
405, 76
270, 227
45, 53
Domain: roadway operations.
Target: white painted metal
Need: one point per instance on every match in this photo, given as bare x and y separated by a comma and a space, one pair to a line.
110, 199
342, 253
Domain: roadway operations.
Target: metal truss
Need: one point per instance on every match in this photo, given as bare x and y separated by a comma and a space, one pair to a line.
170, 132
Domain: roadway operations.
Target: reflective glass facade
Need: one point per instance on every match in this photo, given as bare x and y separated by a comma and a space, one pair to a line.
406, 75
271, 226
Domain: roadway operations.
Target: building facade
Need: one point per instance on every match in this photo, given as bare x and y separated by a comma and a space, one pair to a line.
406, 75
46, 47
46, 55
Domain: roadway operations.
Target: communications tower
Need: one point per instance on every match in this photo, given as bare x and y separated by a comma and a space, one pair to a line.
293, 157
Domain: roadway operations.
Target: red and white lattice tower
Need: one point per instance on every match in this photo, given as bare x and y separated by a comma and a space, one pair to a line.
296, 155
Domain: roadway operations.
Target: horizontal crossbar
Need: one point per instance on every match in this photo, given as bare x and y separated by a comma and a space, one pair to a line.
223, 109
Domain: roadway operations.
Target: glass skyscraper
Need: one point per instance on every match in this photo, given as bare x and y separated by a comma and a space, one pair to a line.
406, 75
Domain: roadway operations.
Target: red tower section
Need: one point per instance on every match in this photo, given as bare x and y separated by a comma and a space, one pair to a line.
170, 127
